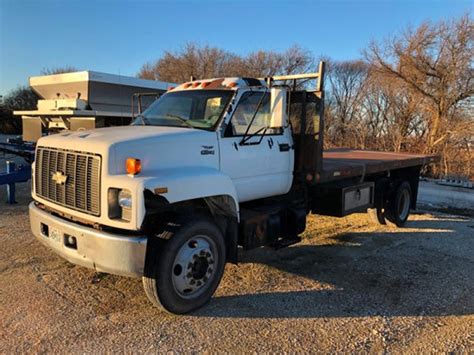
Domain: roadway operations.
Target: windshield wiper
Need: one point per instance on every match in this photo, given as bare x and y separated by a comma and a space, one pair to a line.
180, 118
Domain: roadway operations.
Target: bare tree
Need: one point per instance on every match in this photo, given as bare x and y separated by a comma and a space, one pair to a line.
345, 92
209, 62
394, 114
435, 61
22, 98
192, 60
268, 63
59, 70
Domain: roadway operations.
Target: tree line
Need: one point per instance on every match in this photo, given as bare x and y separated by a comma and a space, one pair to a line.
411, 92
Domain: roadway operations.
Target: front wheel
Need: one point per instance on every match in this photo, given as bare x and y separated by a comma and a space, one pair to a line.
185, 265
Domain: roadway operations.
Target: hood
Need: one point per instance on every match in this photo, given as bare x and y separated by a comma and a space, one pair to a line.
157, 147
104, 137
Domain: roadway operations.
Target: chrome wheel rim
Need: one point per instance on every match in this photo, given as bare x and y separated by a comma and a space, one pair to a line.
194, 266
404, 205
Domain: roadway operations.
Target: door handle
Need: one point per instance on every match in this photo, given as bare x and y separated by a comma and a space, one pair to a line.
284, 147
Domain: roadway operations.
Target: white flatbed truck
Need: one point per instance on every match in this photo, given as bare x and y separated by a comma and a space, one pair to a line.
211, 166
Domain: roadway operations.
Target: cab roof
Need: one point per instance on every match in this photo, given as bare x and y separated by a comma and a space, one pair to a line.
221, 84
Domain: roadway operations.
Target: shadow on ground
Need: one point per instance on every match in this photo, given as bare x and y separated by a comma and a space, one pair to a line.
388, 273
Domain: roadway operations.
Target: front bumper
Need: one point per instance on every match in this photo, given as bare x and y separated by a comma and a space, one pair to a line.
104, 252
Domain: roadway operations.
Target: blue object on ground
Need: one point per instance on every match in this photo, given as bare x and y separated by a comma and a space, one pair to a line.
12, 176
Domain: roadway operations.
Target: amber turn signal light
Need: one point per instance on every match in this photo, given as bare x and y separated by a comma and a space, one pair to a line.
134, 166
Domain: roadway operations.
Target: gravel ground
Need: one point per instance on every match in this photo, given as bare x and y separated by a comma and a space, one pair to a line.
349, 286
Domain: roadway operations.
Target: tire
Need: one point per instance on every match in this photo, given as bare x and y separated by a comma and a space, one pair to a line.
398, 207
184, 266
376, 215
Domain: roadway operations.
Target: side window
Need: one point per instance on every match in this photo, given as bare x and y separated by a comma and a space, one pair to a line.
245, 110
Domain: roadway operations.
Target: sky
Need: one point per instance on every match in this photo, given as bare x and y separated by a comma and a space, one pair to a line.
119, 36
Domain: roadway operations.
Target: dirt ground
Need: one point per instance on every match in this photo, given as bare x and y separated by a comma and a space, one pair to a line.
349, 286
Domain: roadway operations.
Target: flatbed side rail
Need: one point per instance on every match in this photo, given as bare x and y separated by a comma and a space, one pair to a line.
352, 163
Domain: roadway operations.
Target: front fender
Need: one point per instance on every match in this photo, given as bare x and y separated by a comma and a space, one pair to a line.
184, 184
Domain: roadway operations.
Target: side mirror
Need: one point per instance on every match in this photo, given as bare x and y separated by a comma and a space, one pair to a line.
279, 107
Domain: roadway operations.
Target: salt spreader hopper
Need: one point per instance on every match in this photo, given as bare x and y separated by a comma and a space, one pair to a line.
86, 100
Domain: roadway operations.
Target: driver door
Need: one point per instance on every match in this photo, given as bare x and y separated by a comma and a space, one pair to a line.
261, 166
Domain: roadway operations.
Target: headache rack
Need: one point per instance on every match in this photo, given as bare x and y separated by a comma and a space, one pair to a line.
293, 78
307, 119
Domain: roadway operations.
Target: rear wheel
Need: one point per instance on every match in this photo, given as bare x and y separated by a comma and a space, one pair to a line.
376, 215
398, 207
183, 271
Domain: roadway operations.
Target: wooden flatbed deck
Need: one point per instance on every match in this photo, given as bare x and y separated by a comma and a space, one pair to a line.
343, 163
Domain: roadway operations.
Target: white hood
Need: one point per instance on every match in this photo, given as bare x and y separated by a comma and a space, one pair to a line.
105, 137
157, 147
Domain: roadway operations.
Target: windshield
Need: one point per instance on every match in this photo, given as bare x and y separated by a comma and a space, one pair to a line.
191, 108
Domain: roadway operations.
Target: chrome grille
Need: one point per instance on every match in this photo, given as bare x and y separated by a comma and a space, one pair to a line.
81, 189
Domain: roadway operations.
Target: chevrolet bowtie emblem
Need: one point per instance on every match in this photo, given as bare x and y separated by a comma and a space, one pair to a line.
59, 178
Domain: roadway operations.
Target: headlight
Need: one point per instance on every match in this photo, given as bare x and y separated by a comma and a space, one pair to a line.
120, 204
125, 199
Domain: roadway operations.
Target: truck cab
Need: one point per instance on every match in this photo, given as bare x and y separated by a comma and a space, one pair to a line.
211, 166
